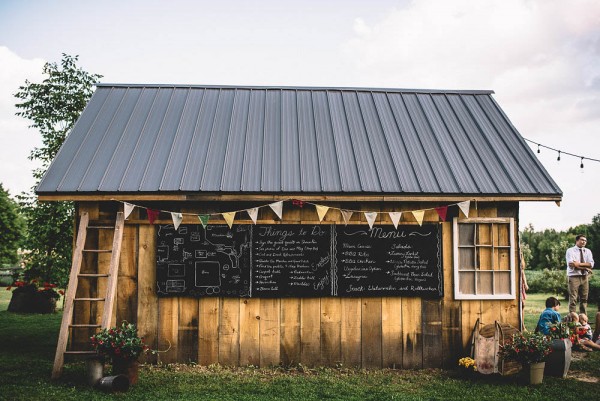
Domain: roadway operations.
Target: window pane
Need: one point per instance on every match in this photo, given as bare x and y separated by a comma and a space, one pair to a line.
502, 259
502, 284
484, 234
466, 258
484, 258
466, 234
485, 283
467, 283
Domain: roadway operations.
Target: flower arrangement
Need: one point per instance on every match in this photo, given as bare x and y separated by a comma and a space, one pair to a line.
44, 289
526, 348
560, 330
467, 365
119, 342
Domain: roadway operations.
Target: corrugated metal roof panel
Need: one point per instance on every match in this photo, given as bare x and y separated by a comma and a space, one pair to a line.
175, 138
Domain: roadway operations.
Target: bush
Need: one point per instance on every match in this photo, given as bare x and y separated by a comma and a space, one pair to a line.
549, 281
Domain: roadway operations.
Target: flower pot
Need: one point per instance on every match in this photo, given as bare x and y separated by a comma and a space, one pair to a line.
31, 302
127, 367
558, 362
536, 373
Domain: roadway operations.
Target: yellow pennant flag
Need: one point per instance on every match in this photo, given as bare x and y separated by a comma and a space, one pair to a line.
321, 211
229, 216
419, 216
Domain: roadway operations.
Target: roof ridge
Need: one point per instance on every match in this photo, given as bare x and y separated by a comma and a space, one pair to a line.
308, 88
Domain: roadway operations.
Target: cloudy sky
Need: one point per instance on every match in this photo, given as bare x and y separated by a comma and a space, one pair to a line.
541, 57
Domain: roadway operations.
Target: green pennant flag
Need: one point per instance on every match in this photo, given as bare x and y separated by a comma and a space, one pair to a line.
204, 219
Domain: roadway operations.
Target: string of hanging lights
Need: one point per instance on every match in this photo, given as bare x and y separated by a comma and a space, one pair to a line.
561, 152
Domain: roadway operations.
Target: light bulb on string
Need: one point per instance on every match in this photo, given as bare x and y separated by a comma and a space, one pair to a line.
581, 165
558, 158
539, 148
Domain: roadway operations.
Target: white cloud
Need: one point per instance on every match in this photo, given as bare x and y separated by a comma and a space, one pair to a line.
16, 141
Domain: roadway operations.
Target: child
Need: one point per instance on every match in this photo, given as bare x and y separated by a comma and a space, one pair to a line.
585, 333
549, 316
580, 342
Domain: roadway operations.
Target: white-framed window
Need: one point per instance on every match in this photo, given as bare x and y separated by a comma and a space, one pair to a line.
484, 258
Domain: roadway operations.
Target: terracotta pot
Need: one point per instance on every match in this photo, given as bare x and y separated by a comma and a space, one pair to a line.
127, 367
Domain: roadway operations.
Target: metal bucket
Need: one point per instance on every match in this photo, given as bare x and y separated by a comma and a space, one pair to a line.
95, 370
114, 383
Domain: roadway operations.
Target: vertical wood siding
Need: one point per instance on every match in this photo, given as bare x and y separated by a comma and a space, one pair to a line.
388, 332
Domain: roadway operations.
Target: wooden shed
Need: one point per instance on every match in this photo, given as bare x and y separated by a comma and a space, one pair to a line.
282, 225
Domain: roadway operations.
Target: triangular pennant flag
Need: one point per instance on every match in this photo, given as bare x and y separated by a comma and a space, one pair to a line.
128, 208
419, 216
442, 211
152, 215
177, 219
346, 214
321, 211
253, 213
464, 207
395, 216
204, 219
371, 216
229, 216
277, 208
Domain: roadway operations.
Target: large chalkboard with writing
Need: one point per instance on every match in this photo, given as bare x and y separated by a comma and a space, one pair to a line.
293, 260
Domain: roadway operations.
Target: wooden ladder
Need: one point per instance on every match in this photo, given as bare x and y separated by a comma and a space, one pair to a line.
70, 297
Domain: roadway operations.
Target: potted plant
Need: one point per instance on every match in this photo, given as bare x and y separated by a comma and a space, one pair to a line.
33, 296
529, 349
122, 346
559, 360
467, 366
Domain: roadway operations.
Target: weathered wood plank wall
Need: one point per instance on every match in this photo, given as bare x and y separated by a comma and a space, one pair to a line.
376, 332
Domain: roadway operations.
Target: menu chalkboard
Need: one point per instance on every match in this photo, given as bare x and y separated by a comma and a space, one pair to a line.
294, 260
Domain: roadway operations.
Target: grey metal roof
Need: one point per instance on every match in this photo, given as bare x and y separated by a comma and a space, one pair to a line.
224, 139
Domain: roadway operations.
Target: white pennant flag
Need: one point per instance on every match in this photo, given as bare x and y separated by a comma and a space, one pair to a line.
346, 214
253, 213
277, 208
464, 207
128, 208
371, 216
177, 219
321, 211
395, 216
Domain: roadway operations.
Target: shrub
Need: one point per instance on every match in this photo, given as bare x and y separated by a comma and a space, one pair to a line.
549, 281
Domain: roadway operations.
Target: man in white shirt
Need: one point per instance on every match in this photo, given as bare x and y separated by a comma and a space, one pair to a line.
580, 263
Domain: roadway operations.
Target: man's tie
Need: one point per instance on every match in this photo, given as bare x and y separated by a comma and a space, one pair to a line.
582, 260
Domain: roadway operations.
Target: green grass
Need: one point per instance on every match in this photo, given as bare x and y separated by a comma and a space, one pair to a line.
27, 344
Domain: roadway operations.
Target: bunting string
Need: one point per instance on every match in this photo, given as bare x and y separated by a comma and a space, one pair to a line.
277, 208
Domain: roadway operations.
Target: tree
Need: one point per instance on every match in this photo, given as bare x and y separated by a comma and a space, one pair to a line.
53, 106
12, 229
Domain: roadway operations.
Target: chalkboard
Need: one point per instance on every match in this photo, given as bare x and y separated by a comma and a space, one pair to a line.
293, 260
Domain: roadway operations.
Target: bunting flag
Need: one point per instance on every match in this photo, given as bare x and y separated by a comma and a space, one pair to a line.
127, 209
464, 207
152, 215
419, 216
346, 214
277, 208
442, 211
298, 203
395, 216
321, 211
253, 213
371, 216
177, 219
229, 216
204, 220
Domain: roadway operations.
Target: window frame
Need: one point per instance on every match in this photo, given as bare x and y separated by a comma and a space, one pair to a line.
512, 253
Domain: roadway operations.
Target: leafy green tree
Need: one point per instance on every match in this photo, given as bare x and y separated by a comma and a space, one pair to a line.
52, 106
12, 229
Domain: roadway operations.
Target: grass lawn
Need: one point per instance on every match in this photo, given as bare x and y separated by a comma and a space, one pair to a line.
27, 344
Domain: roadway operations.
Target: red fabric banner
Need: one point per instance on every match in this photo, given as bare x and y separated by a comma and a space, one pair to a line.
442, 211
152, 215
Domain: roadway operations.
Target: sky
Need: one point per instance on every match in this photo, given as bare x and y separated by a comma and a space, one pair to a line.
540, 57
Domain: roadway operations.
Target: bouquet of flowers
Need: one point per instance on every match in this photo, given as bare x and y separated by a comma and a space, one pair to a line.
119, 342
467, 365
526, 348
560, 330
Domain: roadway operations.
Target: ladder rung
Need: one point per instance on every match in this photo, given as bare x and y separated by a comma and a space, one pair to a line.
84, 325
92, 275
80, 352
102, 227
89, 299
98, 250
